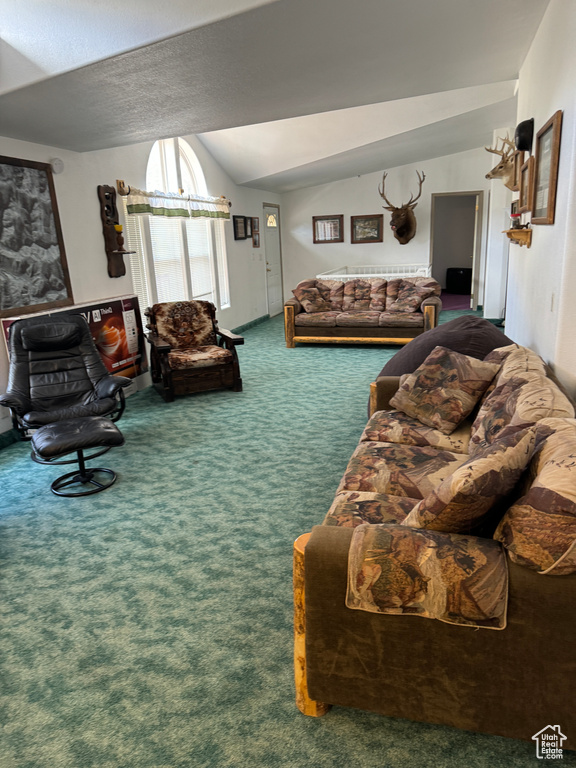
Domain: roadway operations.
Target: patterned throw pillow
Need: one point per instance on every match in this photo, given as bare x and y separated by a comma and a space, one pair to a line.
311, 298
356, 296
378, 294
516, 402
464, 498
332, 291
410, 297
539, 530
444, 389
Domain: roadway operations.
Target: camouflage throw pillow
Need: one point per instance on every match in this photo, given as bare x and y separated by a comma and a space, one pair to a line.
463, 499
311, 299
539, 530
444, 389
410, 297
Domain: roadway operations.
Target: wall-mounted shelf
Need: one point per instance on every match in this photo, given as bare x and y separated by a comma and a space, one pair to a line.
520, 236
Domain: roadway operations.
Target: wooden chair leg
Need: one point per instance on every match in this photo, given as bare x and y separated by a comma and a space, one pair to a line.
305, 704
289, 326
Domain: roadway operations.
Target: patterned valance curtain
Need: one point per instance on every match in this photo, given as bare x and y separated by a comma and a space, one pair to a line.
139, 202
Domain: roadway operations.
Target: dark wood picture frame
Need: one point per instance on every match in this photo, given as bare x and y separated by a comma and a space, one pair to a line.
546, 170
255, 224
518, 163
526, 201
514, 205
367, 229
328, 229
248, 226
239, 223
255, 239
29, 204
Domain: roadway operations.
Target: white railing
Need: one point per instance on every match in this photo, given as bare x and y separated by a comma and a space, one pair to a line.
387, 271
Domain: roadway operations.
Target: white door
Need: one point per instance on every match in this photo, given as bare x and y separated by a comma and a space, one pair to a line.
271, 227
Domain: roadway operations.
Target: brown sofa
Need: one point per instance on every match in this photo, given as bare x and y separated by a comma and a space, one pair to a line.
513, 682
371, 311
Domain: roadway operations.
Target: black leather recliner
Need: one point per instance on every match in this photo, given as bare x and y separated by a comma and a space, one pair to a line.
56, 373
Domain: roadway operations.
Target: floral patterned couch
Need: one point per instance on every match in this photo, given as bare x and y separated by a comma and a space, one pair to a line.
371, 311
472, 525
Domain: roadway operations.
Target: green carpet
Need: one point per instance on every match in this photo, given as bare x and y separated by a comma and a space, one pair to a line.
150, 626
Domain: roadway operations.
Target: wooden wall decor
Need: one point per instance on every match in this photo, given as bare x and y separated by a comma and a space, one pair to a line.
112, 231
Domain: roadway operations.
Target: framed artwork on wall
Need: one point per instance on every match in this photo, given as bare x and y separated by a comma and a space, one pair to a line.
546, 170
328, 229
366, 229
248, 226
239, 223
33, 268
518, 163
255, 239
255, 224
526, 186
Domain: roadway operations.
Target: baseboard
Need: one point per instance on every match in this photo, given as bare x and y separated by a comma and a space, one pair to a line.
251, 324
7, 438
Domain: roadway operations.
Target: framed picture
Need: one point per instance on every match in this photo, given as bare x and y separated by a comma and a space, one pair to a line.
546, 171
35, 273
239, 223
366, 229
248, 226
515, 204
255, 239
255, 224
526, 187
518, 163
328, 229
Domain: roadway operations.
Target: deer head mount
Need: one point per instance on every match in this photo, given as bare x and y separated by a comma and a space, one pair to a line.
403, 221
505, 168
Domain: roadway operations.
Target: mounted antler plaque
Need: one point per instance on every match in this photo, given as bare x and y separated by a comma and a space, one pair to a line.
403, 220
112, 230
505, 168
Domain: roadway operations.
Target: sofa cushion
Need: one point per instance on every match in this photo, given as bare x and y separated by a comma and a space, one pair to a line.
352, 508
356, 295
201, 357
410, 297
323, 319
392, 289
539, 530
310, 297
468, 334
516, 402
397, 427
515, 361
332, 291
444, 389
456, 579
464, 498
358, 319
401, 320
401, 470
378, 294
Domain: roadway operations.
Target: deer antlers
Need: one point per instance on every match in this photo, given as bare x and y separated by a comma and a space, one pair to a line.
504, 153
413, 200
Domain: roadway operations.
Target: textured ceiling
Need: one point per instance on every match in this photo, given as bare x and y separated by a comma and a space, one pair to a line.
287, 59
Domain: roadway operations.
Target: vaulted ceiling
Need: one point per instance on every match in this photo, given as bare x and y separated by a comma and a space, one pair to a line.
284, 94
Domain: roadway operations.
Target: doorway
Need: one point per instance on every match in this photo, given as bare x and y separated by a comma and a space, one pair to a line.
273, 253
455, 239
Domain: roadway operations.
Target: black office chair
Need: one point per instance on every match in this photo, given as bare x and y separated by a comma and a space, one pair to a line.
62, 397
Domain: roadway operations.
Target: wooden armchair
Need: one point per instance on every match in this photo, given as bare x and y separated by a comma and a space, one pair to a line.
189, 353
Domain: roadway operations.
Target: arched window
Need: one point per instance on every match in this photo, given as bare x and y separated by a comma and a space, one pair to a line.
177, 259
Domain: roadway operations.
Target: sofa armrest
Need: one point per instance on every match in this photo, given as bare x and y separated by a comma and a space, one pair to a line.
159, 344
381, 392
294, 303
431, 308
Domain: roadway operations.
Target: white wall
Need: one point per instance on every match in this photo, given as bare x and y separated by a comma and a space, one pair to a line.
79, 210
460, 172
541, 310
